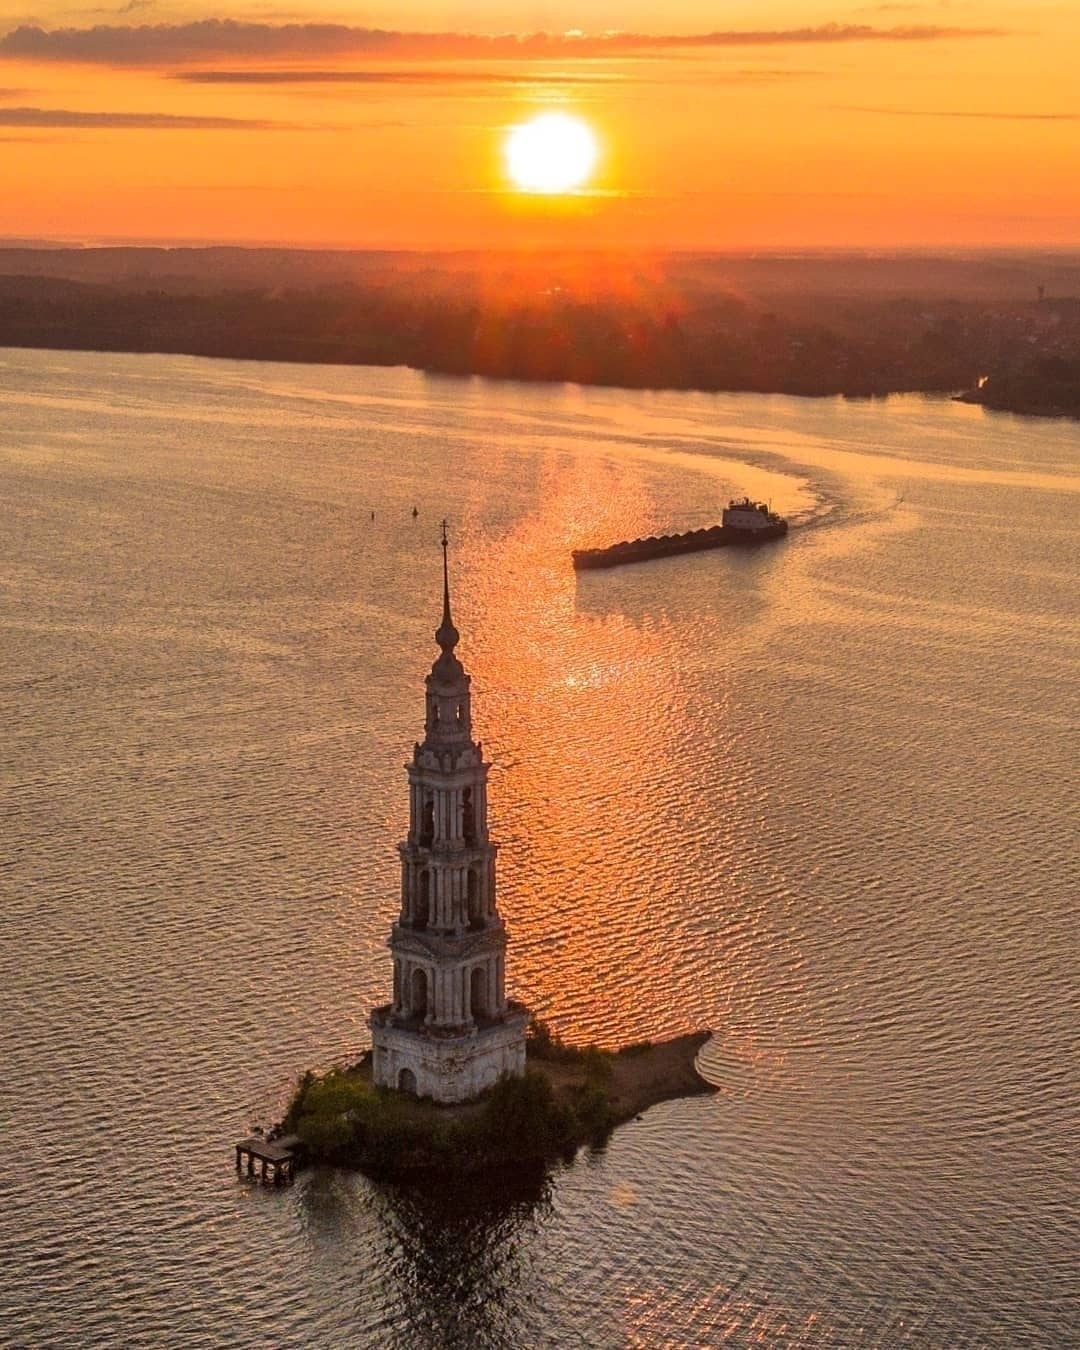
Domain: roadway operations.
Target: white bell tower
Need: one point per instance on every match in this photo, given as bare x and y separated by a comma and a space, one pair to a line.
450, 1031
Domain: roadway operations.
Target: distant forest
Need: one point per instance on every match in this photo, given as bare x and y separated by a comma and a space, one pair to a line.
1001, 329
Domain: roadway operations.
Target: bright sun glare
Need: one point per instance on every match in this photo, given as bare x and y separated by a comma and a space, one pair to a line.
553, 152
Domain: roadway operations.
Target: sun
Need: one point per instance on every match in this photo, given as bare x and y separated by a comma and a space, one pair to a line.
554, 152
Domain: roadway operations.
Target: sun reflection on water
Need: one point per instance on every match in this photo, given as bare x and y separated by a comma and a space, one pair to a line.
593, 732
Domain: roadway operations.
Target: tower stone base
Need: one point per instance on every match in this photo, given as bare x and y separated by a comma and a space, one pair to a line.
450, 1065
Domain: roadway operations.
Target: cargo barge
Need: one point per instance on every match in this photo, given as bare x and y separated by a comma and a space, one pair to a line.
744, 522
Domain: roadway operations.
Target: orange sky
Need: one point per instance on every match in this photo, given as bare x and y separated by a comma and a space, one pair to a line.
723, 125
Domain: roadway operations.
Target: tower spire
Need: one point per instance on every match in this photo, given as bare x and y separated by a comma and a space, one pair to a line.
446, 635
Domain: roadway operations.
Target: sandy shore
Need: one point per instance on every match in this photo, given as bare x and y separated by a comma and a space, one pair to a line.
641, 1075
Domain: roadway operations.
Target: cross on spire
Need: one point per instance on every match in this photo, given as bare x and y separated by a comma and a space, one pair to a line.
446, 635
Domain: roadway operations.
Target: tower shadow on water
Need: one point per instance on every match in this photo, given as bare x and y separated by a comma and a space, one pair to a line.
453, 1252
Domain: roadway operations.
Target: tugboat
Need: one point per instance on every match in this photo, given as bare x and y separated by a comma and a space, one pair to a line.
753, 520
744, 522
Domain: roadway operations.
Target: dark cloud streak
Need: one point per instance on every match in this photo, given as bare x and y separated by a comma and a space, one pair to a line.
467, 78
65, 117
158, 45
972, 116
420, 77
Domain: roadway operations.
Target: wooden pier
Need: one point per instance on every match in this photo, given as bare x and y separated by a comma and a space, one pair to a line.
277, 1158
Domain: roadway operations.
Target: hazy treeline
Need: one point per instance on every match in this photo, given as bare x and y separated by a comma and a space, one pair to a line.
814, 325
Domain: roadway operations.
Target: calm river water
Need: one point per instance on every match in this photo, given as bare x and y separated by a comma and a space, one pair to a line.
820, 798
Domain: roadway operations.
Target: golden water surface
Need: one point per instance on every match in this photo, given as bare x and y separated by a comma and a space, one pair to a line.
820, 797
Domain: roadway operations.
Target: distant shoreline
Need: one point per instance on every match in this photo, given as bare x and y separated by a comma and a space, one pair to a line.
1000, 332
298, 358
1018, 407
1021, 408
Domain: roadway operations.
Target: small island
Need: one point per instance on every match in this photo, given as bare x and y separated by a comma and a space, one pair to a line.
567, 1097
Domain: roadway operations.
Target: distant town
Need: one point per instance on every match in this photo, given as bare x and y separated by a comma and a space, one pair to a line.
1001, 329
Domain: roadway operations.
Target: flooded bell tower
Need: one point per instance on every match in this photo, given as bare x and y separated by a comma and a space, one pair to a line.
450, 1031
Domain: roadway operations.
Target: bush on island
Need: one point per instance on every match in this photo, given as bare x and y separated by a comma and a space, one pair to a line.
542, 1044
343, 1120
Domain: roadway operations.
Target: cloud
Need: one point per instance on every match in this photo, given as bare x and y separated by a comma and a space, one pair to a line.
977, 116
463, 78
910, 6
454, 77
207, 39
63, 117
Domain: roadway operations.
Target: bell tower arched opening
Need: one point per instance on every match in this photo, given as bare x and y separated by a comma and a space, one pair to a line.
478, 1003
468, 817
422, 910
418, 994
474, 910
427, 823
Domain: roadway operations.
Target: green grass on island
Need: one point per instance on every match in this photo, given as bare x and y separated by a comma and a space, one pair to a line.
568, 1096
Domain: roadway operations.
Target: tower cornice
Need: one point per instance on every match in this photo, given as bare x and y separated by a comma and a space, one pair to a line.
446, 850
409, 941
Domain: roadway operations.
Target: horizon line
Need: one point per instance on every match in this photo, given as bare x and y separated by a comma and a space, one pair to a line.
59, 243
